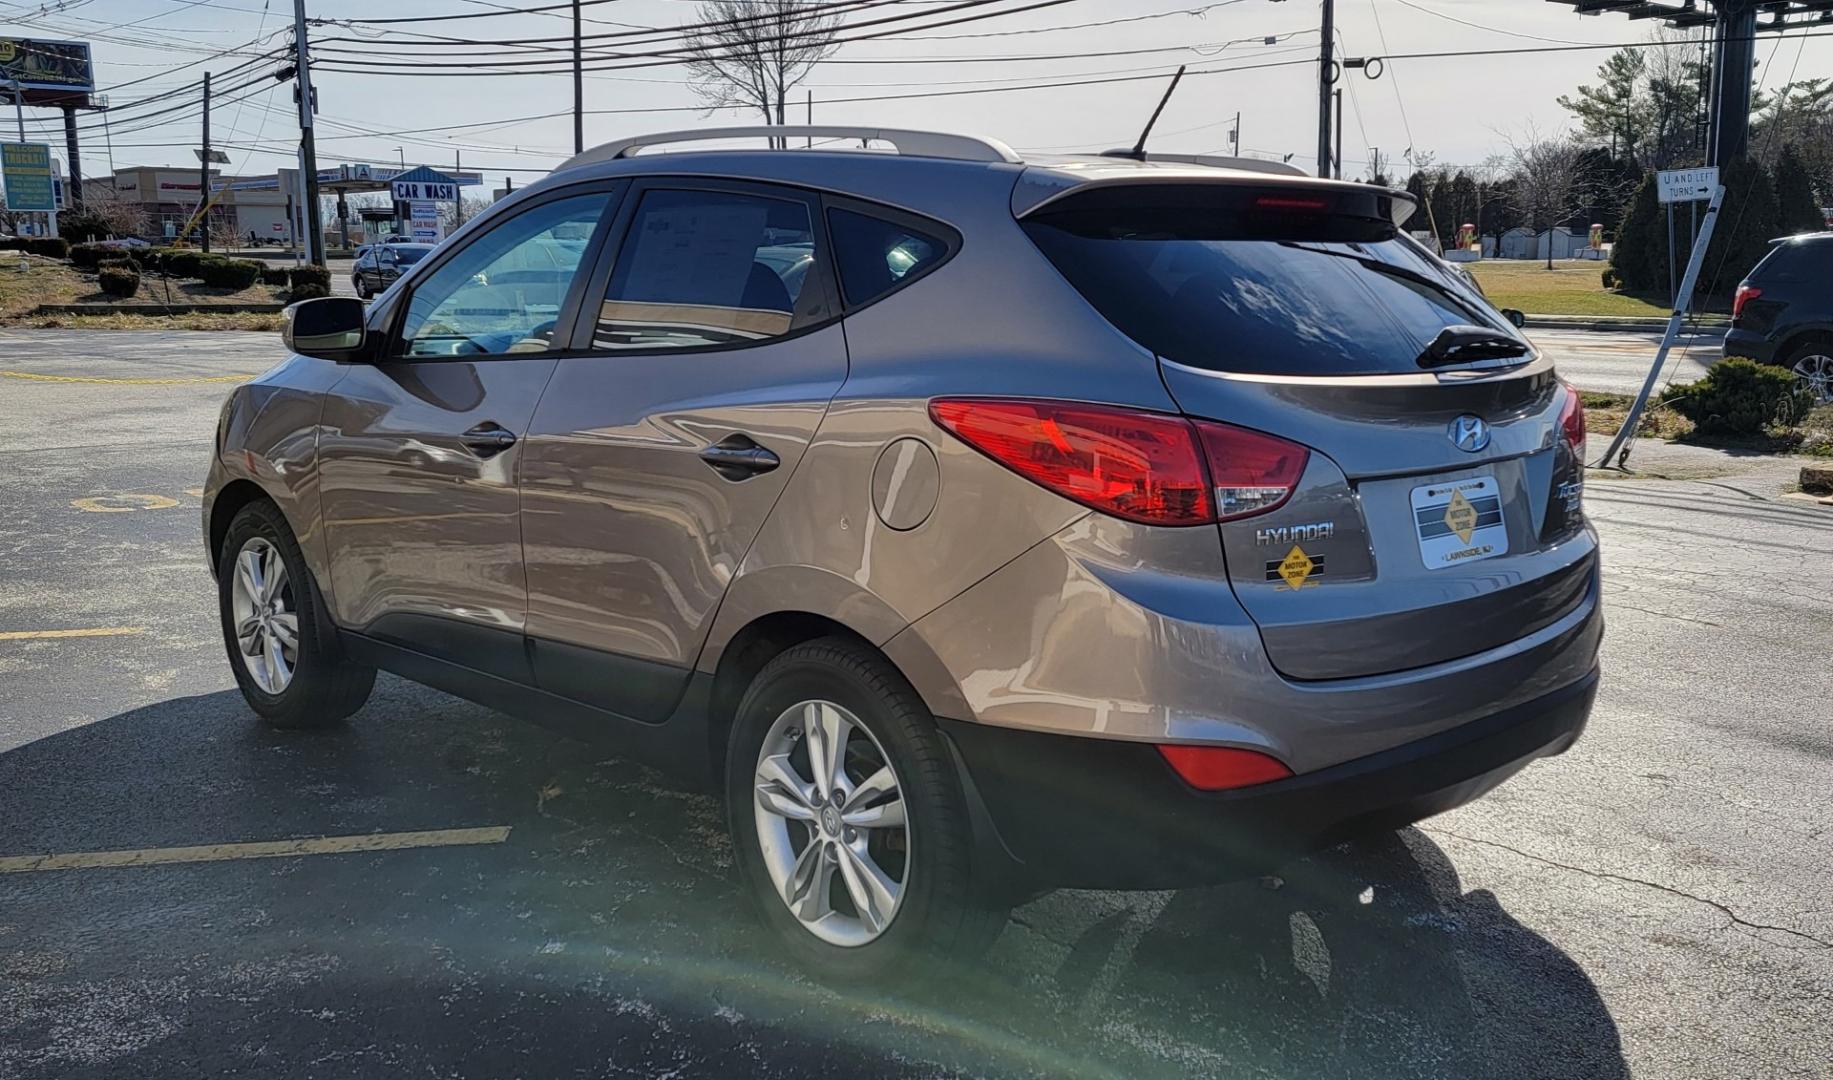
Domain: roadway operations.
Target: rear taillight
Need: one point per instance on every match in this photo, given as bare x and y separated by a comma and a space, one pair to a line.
1745, 294
1572, 422
1140, 466
1250, 473
1219, 768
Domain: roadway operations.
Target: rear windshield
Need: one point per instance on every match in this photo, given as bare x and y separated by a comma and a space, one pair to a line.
1240, 280
407, 256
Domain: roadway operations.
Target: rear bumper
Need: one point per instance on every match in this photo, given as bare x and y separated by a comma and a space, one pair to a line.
1750, 343
1095, 813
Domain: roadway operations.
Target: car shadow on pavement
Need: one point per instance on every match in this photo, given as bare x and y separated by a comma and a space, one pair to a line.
607, 935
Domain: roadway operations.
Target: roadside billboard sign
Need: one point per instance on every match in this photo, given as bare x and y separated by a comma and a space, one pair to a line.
27, 173
59, 66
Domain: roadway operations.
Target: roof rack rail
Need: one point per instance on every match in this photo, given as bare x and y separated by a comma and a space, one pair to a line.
917, 143
1260, 165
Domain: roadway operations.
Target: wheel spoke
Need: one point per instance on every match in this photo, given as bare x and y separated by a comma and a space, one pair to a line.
248, 572
811, 883
286, 628
827, 737
273, 576
780, 791
888, 815
278, 669
246, 632
874, 894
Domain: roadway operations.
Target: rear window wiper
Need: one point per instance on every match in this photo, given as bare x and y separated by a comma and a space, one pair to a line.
1466, 344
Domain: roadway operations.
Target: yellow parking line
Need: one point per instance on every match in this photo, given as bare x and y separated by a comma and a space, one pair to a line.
269, 849
92, 631
122, 382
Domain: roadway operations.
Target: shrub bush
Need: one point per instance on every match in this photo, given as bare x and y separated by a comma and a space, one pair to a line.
1611, 278
310, 276
49, 247
12, 243
307, 290
1739, 396
273, 275
88, 256
121, 281
182, 262
119, 261
231, 273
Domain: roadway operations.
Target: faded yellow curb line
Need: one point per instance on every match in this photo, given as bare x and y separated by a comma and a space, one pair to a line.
93, 631
269, 849
122, 382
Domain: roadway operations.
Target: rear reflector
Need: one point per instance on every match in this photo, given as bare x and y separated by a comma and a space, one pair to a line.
1139, 466
1219, 768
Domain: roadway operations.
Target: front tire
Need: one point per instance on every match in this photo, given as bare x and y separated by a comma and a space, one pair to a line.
282, 646
362, 290
849, 825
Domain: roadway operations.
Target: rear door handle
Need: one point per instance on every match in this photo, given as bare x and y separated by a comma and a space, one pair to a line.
488, 438
739, 457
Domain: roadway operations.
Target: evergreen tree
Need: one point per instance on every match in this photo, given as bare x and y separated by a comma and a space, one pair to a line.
1640, 255
1613, 112
1797, 210
1417, 187
1746, 225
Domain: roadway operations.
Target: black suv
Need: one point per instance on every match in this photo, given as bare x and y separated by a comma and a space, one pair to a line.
1783, 313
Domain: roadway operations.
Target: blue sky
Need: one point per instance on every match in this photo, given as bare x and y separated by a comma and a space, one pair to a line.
1460, 109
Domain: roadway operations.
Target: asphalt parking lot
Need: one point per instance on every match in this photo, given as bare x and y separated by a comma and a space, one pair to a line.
440, 890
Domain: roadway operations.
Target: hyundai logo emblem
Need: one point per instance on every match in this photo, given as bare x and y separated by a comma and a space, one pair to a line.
1470, 433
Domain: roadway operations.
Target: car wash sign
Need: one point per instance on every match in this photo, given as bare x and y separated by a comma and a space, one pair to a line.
423, 185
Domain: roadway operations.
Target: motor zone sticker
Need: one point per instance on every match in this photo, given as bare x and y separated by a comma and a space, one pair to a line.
1459, 521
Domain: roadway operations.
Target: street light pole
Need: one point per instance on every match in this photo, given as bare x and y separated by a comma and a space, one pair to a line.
19, 106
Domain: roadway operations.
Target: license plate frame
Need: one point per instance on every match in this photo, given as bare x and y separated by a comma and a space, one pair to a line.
1459, 521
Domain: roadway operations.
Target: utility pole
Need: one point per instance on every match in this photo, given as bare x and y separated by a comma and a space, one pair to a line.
458, 204
1325, 76
579, 87
1234, 137
203, 175
308, 153
1338, 156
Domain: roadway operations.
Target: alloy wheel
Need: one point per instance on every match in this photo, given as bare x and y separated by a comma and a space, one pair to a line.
831, 823
1814, 373
262, 612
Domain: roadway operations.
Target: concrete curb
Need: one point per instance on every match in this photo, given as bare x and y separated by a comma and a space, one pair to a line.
159, 309
1620, 323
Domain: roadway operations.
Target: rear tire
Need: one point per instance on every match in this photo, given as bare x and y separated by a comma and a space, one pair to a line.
785, 833
1812, 366
362, 290
266, 595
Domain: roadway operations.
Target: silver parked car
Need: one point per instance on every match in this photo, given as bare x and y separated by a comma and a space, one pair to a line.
975, 524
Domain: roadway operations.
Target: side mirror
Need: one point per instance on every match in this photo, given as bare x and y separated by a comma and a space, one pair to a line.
329, 327
1514, 316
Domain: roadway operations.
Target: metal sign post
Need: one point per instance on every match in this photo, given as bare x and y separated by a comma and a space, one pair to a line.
1619, 443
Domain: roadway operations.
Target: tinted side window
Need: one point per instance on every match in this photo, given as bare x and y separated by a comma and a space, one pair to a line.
872, 255
503, 292
700, 268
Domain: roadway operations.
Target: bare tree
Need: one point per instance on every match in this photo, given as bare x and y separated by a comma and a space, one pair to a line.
1546, 181
749, 53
